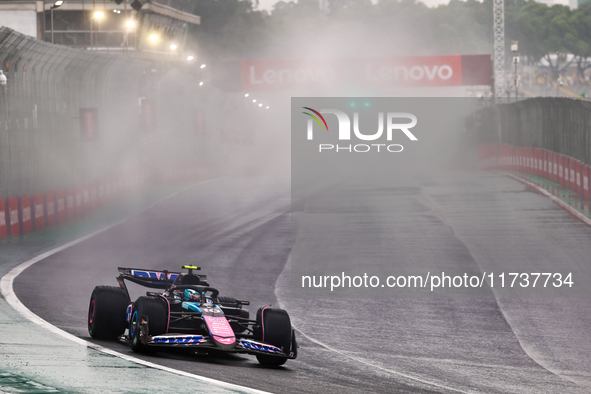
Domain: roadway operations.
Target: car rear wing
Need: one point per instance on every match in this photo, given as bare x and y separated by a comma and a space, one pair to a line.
146, 277
154, 279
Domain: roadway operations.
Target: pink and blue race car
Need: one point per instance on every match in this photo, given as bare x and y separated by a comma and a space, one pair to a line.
188, 313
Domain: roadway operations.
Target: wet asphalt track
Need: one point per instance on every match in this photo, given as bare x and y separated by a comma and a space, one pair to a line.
240, 233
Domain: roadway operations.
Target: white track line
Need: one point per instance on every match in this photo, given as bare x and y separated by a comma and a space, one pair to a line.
552, 197
357, 359
6, 287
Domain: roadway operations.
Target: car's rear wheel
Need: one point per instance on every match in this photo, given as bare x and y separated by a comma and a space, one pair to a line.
273, 326
156, 310
106, 312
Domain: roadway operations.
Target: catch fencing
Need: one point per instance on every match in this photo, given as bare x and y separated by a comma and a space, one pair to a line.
548, 138
65, 114
78, 128
560, 125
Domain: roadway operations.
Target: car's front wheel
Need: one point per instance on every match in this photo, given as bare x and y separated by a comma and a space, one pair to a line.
156, 310
273, 326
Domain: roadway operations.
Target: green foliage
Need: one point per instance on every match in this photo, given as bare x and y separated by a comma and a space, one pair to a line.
236, 29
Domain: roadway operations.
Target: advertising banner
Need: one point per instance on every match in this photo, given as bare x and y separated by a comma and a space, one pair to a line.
376, 72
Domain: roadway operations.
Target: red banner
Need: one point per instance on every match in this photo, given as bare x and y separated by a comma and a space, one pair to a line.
378, 72
578, 174
570, 174
585, 180
3, 221
61, 201
50, 200
555, 171
566, 171
39, 211
27, 214
560, 169
13, 216
70, 204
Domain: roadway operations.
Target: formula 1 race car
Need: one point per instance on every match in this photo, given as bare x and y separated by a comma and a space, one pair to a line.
189, 314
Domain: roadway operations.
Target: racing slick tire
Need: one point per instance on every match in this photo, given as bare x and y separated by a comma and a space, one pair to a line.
273, 326
156, 309
106, 312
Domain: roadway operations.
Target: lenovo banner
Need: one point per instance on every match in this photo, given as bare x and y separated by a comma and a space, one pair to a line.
378, 73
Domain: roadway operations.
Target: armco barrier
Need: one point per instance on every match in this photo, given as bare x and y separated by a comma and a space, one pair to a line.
566, 171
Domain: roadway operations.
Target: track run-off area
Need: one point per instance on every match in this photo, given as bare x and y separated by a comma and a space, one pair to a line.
239, 231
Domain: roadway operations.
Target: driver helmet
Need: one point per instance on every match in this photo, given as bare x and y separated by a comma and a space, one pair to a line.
192, 295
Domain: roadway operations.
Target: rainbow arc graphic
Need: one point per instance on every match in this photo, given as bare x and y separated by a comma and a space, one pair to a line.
315, 118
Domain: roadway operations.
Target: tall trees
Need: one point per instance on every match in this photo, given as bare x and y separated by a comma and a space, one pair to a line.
555, 35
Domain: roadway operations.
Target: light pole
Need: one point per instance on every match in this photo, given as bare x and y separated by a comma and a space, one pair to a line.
57, 4
514, 47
